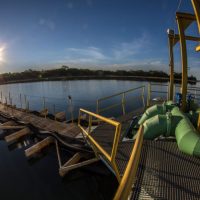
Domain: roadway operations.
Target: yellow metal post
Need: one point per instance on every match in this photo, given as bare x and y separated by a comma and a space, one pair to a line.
171, 63
184, 60
123, 104
198, 124
196, 6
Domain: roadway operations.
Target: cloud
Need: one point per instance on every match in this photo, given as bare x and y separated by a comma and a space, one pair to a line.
47, 23
130, 49
84, 55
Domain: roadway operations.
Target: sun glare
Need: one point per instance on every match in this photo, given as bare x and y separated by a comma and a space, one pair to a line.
2, 49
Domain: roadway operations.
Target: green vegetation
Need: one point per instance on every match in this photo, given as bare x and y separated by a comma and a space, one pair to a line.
66, 73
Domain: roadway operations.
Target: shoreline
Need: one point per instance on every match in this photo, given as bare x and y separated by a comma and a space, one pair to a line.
133, 78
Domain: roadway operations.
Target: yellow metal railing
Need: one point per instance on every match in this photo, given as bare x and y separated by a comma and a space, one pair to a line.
128, 179
152, 89
96, 146
123, 101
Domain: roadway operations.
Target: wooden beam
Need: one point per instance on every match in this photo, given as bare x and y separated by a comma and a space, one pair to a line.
9, 123
4, 127
61, 116
17, 135
74, 160
64, 170
44, 112
39, 146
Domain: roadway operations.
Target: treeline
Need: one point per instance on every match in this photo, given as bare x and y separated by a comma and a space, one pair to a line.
65, 72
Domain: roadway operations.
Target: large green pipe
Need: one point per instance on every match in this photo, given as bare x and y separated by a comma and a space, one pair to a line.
152, 111
188, 139
156, 110
155, 126
177, 125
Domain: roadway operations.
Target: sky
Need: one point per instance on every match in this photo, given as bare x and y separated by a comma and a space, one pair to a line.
100, 34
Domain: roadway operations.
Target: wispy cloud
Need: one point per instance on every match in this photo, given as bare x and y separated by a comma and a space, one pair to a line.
2, 53
84, 55
132, 48
47, 23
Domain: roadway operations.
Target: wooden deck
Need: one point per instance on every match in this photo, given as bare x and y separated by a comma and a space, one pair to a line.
69, 130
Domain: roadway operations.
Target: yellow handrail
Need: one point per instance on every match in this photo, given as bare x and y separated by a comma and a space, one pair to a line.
128, 179
96, 145
123, 99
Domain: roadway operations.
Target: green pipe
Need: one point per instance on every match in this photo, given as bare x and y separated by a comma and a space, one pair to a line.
156, 110
188, 139
152, 111
155, 126
175, 124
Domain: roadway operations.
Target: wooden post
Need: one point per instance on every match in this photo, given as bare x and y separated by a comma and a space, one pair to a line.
17, 135
39, 146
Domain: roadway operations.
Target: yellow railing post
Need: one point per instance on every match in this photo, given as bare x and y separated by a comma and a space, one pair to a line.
196, 6
111, 157
198, 124
123, 103
184, 62
90, 124
183, 21
97, 106
128, 178
142, 95
149, 95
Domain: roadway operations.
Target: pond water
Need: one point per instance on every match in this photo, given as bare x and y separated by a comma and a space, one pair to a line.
54, 95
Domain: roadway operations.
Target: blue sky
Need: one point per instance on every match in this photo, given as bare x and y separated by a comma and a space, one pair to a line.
109, 34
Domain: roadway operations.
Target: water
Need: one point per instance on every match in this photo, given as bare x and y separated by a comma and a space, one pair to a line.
38, 178
84, 94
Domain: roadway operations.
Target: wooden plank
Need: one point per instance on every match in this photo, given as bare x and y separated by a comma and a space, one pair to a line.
17, 135
9, 123
69, 129
39, 146
11, 127
63, 170
61, 116
44, 112
73, 160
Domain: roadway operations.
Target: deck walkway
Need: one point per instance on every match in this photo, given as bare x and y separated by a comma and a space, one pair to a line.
165, 172
69, 130
104, 135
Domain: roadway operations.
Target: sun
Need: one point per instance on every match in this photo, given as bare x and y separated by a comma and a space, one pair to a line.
2, 49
